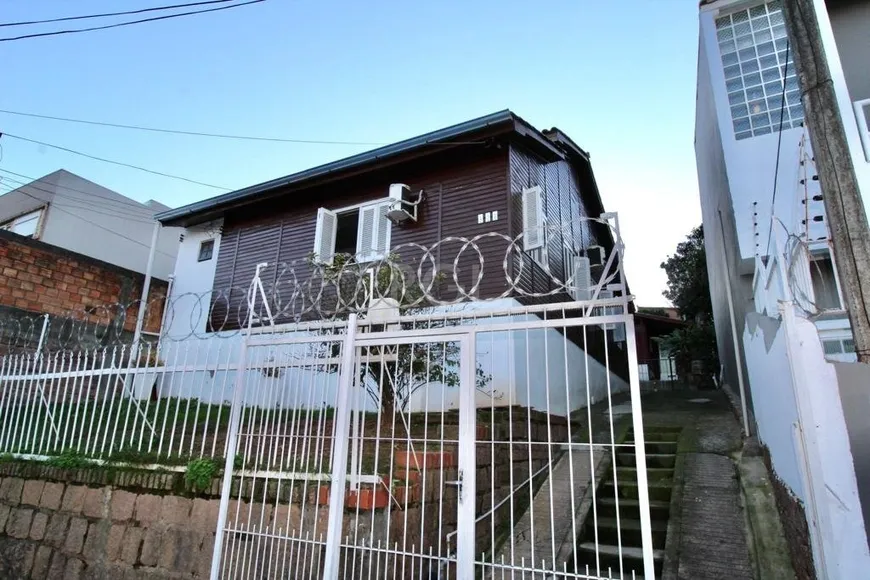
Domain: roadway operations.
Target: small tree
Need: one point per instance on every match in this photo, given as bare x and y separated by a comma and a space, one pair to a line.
689, 291
391, 374
688, 285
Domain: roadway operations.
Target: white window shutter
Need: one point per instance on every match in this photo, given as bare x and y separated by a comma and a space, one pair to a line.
533, 219
582, 278
324, 235
366, 235
382, 231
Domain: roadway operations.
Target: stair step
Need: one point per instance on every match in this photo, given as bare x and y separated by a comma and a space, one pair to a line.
659, 447
630, 508
657, 490
652, 473
627, 532
613, 551
607, 559
652, 459
632, 524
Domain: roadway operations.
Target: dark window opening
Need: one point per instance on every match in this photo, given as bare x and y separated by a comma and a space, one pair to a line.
347, 227
206, 250
824, 283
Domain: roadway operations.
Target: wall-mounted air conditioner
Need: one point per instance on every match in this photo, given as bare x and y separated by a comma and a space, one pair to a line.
403, 209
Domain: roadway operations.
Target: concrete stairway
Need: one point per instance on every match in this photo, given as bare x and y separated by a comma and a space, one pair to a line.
617, 537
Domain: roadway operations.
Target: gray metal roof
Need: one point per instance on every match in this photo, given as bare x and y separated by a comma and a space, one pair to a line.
445, 135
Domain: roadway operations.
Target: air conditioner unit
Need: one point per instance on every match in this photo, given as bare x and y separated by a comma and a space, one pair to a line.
403, 208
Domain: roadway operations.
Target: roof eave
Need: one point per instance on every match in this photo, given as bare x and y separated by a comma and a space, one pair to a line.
211, 208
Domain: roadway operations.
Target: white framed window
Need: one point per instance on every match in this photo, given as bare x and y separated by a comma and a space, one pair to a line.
862, 116
28, 224
534, 224
826, 286
206, 251
753, 44
362, 231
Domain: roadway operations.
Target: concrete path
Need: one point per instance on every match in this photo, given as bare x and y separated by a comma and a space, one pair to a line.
707, 537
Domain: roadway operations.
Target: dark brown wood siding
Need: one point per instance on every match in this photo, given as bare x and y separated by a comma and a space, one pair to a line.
568, 194
457, 187
564, 204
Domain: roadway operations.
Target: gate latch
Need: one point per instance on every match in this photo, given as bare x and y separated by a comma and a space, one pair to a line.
457, 483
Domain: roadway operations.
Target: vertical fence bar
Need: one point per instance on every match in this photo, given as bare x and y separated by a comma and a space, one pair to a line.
465, 519
639, 451
339, 454
235, 416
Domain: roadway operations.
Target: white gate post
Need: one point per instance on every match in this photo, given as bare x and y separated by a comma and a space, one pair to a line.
639, 450
465, 519
235, 418
331, 561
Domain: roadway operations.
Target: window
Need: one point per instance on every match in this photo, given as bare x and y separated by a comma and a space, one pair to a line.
753, 43
534, 222
360, 231
825, 291
206, 250
25, 225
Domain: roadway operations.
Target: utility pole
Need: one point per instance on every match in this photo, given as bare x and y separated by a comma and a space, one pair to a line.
844, 208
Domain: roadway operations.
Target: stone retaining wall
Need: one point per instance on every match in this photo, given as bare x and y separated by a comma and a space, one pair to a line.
67, 524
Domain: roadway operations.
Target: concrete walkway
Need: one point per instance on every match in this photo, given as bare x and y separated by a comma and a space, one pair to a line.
707, 532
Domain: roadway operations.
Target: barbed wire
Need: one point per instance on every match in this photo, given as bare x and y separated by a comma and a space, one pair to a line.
411, 277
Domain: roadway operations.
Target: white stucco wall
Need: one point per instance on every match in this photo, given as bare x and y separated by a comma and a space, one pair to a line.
192, 283
849, 20
834, 508
751, 163
90, 219
514, 376
774, 404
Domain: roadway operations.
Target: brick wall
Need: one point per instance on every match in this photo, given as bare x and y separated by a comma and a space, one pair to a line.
37, 278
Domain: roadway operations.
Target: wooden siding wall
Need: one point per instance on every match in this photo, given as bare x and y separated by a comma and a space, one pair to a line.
564, 188
457, 186
563, 205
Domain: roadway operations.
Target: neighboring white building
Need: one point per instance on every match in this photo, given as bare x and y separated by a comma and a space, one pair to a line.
767, 238
70, 212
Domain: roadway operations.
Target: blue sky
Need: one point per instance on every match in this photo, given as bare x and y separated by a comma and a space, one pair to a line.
618, 77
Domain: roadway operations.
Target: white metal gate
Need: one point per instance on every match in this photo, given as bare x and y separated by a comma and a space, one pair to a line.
391, 452
339, 484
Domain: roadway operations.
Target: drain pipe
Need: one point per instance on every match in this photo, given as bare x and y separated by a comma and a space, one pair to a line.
736, 342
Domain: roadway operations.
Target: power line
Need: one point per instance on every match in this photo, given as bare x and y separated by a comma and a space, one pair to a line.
67, 18
117, 25
95, 224
218, 135
81, 203
778, 146
120, 163
126, 202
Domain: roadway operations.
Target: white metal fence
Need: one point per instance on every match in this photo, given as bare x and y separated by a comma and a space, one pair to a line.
489, 440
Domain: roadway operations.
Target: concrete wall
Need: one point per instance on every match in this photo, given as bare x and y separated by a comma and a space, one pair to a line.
95, 221
525, 368
74, 524
853, 380
795, 386
193, 283
40, 278
723, 254
850, 20
840, 57
773, 400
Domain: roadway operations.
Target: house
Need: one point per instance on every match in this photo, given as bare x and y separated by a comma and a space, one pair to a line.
656, 364
777, 298
60, 207
498, 206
